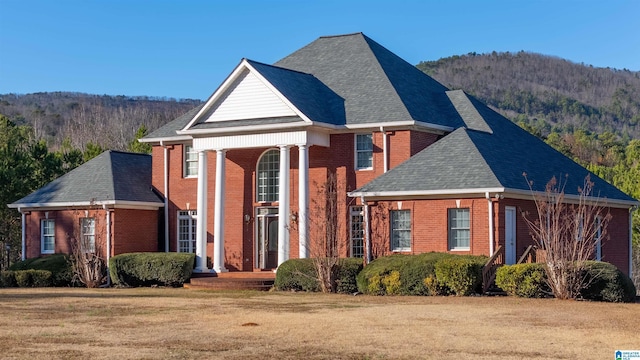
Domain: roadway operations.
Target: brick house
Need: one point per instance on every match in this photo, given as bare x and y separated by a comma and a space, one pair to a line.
417, 167
108, 202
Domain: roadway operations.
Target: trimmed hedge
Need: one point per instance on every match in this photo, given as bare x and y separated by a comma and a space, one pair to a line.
400, 274
461, 274
605, 282
523, 280
25, 278
300, 275
58, 264
146, 269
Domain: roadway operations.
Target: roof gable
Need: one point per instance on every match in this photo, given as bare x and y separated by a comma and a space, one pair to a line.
110, 177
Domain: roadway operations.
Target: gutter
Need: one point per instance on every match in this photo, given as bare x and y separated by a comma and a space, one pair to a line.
491, 230
367, 229
384, 149
108, 225
166, 196
24, 234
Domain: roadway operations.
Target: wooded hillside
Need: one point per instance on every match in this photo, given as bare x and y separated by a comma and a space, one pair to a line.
546, 92
110, 122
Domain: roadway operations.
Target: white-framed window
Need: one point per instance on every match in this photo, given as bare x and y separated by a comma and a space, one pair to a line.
364, 151
187, 231
400, 230
357, 231
88, 234
268, 176
47, 236
190, 161
459, 229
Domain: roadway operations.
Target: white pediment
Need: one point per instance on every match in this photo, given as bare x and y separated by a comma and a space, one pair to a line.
248, 98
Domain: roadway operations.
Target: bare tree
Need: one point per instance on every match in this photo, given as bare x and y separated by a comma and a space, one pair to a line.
568, 233
87, 250
324, 245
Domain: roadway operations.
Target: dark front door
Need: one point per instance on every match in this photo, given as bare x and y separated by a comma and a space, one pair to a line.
267, 238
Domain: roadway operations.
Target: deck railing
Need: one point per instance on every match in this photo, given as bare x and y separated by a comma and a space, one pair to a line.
490, 268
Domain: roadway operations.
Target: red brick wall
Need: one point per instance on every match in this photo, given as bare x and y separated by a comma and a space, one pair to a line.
430, 224
134, 231
131, 230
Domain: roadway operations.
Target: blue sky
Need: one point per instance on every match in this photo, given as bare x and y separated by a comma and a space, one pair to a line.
185, 49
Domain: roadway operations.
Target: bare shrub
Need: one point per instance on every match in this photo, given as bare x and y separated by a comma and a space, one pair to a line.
87, 248
568, 232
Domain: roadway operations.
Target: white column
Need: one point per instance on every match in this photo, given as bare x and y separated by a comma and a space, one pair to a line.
218, 216
201, 229
283, 206
303, 200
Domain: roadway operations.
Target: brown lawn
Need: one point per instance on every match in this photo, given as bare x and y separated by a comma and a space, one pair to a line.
182, 324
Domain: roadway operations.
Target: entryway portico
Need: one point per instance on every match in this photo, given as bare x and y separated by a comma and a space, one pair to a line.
284, 141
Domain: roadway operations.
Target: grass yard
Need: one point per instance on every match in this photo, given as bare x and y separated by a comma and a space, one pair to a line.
63, 323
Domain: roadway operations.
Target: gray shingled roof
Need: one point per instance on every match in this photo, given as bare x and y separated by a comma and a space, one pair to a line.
111, 176
169, 129
376, 84
472, 159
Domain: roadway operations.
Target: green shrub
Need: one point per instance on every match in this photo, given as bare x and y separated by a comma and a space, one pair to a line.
348, 270
297, 275
32, 278
146, 269
416, 274
523, 280
605, 282
461, 274
300, 275
8, 279
57, 264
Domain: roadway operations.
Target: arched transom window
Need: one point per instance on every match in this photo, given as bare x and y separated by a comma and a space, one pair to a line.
267, 177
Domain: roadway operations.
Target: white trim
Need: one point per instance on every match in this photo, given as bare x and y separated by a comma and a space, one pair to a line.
395, 125
480, 192
42, 249
356, 151
303, 201
201, 230
113, 204
186, 150
165, 198
491, 225
392, 230
165, 139
247, 141
394, 194
192, 217
450, 230
24, 235
283, 205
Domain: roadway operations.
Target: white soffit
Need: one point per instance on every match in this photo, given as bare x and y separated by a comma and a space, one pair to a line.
248, 98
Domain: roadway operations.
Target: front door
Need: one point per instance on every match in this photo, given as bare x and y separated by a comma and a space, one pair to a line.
266, 238
510, 235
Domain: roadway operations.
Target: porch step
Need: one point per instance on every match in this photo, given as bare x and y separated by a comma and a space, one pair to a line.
238, 280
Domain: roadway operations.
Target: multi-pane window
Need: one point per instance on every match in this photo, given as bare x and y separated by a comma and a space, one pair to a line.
459, 229
267, 176
47, 236
187, 231
88, 228
364, 151
190, 161
357, 231
400, 230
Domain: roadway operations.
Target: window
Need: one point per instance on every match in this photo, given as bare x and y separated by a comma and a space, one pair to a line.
357, 231
267, 176
187, 231
47, 236
459, 230
364, 151
88, 228
400, 230
190, 161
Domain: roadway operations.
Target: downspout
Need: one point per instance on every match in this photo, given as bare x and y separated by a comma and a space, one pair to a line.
24, 234
384, 149
166, 196
367, 230
108, 225
631, 210
491, 232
